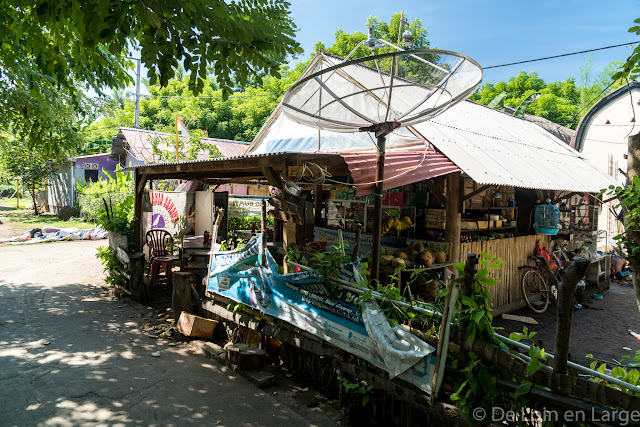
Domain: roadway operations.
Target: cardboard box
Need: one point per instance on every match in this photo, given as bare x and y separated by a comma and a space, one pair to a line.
483, 225
196, 326
469, 225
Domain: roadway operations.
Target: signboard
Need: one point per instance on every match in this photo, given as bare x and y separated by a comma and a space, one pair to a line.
300, 300
246, 206
93, 166
366, 240
287, 206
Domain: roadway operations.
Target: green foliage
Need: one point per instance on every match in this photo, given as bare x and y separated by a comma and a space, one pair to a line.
31, 165
53, 52
109, 202
237, 118
356, 389
476, 308
560, 102
67, 43
627, 372
628, 198
329, 263
345, 42
630, 70
112, 265
536, 353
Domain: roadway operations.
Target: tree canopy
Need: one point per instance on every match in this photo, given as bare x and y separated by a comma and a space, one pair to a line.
562, 102
50, 52
345, 42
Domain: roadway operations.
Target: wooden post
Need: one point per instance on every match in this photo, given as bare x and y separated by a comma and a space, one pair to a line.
263, 230
356, 246
137, 224
452, 221
181, 295
377, 210
317, 201
566, 292
136, 271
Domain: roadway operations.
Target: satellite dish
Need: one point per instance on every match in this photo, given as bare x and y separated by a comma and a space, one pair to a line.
378, 94
402, 88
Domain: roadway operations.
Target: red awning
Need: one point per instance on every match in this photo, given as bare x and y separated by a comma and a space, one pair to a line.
400, 168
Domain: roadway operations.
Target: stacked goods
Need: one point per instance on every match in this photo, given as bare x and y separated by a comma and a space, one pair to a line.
413, 256
434, 218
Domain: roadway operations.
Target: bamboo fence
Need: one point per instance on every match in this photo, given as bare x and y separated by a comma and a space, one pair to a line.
514, 252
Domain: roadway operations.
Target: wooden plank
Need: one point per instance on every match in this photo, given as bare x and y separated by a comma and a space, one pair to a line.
291, 208
287, 217
273, 178
478, 191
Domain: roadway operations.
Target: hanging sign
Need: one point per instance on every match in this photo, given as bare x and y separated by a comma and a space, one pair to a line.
287, 206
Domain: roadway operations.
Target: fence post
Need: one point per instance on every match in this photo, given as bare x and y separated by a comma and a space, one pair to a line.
566, 292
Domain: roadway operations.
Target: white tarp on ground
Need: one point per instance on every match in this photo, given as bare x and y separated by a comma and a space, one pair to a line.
48, 233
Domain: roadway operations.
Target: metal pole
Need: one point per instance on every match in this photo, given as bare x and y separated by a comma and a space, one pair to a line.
377, 209
136, 122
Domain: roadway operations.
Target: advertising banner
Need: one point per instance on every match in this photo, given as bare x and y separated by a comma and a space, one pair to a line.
301, 300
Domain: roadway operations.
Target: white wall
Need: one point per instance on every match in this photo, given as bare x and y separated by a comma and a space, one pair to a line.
606, 144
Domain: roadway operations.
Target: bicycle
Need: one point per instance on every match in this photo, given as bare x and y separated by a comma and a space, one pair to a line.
539, 283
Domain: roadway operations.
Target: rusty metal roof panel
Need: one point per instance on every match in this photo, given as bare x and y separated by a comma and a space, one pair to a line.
400, 168
496, 148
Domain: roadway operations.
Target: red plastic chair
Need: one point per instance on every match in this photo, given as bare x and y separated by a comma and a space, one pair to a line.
159, 241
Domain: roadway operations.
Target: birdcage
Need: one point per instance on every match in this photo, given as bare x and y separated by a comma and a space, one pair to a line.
547, 219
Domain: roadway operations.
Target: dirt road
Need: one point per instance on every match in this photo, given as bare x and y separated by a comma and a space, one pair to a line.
600, 328
72, 354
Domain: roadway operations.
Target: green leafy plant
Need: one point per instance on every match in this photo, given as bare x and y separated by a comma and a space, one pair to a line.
359, 388
627, 372
112, 266
110, 202
476, 309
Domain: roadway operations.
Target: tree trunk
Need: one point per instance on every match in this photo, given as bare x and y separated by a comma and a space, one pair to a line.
633, 170
566, 292
33, 198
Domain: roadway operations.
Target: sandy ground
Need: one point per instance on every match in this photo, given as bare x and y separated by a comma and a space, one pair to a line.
599, 329
72, 354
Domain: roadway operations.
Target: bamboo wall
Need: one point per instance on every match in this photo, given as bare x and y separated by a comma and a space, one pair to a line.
514, 252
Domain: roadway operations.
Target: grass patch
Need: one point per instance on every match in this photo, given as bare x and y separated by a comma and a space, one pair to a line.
23, 218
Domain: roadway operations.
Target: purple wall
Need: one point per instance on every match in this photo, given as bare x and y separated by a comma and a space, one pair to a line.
94, 162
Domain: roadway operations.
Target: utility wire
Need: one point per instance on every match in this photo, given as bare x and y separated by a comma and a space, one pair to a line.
560, 56
484, 68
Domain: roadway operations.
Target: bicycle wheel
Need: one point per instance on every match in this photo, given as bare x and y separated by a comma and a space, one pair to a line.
535, 290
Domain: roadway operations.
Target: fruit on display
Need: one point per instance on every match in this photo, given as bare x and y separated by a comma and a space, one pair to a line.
398, 262
440, 257
385, 260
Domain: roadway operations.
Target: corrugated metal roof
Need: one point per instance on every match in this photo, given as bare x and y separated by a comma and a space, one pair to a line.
495, 148
400, 168
140, 146
219, 159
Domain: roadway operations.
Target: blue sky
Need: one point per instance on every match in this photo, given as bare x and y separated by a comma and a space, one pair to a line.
491, 32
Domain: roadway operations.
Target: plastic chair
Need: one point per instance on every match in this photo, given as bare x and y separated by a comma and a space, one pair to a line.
158, 240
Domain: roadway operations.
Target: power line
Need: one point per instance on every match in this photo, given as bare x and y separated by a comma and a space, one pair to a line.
559, 56
484, 68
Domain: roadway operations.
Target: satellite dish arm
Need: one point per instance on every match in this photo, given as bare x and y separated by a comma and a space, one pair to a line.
416, 57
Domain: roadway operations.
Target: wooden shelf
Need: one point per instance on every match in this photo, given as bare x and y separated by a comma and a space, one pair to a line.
466, 230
